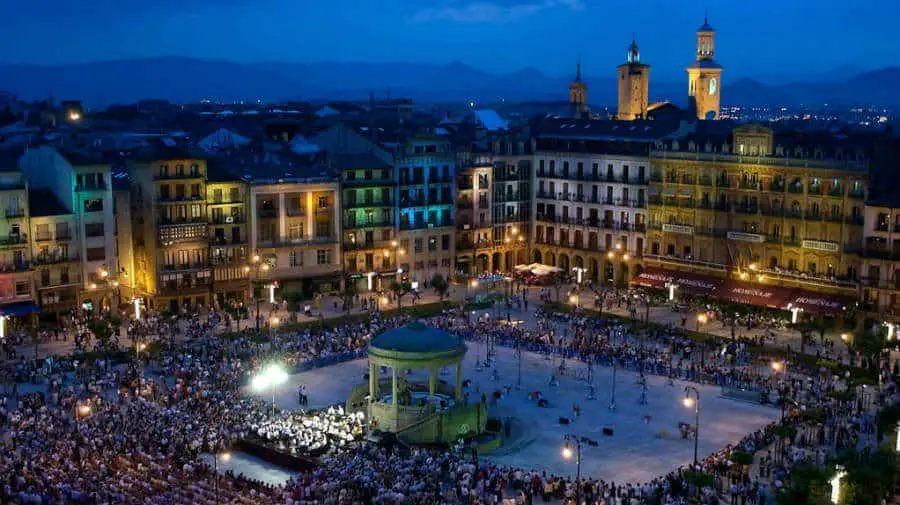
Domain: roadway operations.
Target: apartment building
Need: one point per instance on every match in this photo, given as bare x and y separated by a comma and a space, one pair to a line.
786, 209
294, 217
55, 251
170, 226
591, 193
425, 170
513, 161
227, 197
17, 292
371, 247
474, 216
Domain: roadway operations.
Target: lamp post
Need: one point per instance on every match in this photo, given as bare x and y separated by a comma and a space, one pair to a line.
255, 266
612, 400
272, 376
779, 367
695, 403
226, 456
568, 453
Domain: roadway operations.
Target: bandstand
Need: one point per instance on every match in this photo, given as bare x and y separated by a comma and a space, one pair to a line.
424, 411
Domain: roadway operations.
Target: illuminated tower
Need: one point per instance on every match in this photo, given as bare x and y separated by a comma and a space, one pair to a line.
578, 93
634, 85
704, 76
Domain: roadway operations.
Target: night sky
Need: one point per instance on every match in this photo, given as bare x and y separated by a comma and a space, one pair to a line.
766, 39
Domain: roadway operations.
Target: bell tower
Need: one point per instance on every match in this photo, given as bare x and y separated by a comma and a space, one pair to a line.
704, 75
634, 85
578, 93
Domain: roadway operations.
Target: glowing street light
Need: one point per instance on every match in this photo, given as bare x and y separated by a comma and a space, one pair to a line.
270, 377
835, 482
568, 453
777, 366
702, 318
695, 404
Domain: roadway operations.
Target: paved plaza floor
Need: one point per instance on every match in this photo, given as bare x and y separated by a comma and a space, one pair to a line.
646, 441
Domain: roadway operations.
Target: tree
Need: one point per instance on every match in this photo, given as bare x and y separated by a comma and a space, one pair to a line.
869, 345
400, 289
348, 294
441, 287
102, 332
808, 486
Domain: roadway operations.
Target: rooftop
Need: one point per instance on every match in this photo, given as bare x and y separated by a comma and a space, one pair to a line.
416, 338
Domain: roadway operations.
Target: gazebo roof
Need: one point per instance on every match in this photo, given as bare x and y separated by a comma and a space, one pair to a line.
416, 338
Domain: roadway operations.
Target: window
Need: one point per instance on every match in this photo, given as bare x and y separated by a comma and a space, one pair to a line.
93, 230
323, 202
295, 231
164, 170
45, 278
432, 244
23, 288
93, 205
323, 229
64, 275
445, 242
323, 257
296, 258
418, 247
96, 253
195, 211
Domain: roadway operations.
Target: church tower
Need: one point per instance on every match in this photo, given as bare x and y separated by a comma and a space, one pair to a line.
634, 85
704, 76
578, 94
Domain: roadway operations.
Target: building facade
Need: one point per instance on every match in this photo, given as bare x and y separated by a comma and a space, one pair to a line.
785, 209
370, 244
425, 168
591, 196
227, 198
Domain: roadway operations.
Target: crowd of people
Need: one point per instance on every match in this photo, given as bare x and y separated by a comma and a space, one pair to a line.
134, 433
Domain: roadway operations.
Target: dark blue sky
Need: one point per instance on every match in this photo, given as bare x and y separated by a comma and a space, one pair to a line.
766, 39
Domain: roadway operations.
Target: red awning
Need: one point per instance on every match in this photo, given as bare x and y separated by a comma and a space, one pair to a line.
819, 303
755, 294
698, 284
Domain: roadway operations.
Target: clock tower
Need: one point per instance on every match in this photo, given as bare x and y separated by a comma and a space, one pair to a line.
634, 85
704, 76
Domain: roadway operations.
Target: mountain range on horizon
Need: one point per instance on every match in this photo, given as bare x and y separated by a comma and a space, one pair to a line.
188, 80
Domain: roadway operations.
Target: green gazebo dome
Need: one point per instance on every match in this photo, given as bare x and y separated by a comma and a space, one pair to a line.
416, 338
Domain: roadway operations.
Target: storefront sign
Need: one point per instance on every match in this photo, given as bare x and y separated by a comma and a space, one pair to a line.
745, 237
678, 228
821, 245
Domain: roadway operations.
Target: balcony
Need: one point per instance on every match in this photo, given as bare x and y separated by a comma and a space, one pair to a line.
439, 179
705, 204
464, 184
688, 180
656, 177
777, 186
361, 204
793, 214
722, 182
297, 211
515, 196
14, 213
180, 198
372, 181
834, 218
228, 219
746, 209
374, 223
705, 180
767, 210
193, 174
227, 241
857, 193
293, 242
796, 189
422, 225
412, 181
882, 253
811, 215
19, 240
53, 259
854, 220
412, 202
366, 245
94, 186
181, 221
836, 191
752, 185
815, 190
15, 266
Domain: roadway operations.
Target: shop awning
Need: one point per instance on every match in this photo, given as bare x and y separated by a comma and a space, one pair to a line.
19, 309
698, 284
755, 294
818, 303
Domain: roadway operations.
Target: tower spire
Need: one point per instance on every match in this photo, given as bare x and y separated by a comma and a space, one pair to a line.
578, 70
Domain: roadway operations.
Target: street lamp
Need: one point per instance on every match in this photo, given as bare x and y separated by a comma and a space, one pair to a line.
695, 403
272, 376
701, 319
226, 456
568, 453
256, 266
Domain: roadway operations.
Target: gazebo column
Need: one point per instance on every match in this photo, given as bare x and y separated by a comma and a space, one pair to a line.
432, 381
395, 403
373, 381
459, 380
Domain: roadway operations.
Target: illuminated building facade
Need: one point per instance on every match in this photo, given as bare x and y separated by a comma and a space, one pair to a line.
634, 85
